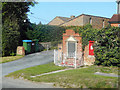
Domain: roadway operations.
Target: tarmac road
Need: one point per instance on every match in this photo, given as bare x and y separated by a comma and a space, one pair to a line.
25, 62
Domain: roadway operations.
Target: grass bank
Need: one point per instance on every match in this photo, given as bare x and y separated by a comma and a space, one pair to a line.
76, 78
9, 58
36, 70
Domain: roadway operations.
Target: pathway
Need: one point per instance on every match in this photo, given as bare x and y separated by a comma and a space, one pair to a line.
106, 74
25, 62
52, 72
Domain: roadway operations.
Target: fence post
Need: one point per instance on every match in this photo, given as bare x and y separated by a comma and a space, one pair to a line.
75, 61
54, 56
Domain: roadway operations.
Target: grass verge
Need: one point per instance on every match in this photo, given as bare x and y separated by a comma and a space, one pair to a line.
9, 58
77, 78
36, 70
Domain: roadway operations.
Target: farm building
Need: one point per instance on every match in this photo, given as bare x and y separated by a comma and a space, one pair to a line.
70, 52
115, 20
97, 22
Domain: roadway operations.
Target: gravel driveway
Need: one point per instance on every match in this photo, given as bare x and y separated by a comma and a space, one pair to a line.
25, 62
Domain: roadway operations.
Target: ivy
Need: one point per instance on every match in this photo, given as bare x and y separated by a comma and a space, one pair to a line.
87, 33
106, 46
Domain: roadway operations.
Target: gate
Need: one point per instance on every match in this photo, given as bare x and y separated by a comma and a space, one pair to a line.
61, 59
57, 57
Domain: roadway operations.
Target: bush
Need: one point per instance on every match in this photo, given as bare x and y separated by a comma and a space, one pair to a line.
10, 37
45, 33
107, 47
87, 33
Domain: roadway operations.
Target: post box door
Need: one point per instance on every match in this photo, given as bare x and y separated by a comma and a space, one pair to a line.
91, 50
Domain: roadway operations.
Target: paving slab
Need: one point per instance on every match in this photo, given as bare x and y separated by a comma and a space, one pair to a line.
51, 72
106, 74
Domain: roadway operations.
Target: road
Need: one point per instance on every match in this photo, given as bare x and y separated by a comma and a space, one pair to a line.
25, 62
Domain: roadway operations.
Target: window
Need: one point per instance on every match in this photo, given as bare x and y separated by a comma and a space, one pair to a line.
71, 49
90, 21
103, 23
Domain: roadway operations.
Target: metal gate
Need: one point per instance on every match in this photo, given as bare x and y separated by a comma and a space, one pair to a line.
60, 59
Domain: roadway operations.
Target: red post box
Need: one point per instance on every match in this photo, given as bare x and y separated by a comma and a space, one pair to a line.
91, 50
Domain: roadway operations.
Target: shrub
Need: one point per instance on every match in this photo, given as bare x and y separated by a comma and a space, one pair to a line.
87, 33
107, 47
45, 33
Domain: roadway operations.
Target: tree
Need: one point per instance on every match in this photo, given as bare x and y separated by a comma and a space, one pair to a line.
13, 30
45, 33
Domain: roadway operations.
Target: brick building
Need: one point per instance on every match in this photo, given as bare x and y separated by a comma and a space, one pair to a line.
70, 51
81, 20
115, 20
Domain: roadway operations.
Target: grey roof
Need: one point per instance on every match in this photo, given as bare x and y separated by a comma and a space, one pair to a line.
85, 15
65, 19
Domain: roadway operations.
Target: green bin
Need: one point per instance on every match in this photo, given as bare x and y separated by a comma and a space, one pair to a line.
36, 42
27, 46
33, 47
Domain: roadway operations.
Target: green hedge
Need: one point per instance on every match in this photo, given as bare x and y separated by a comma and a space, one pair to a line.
106, 47
45, 33
86, 32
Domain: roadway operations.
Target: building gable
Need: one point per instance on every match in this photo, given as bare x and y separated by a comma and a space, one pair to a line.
95, 21
56, 21
78, 21
81, 20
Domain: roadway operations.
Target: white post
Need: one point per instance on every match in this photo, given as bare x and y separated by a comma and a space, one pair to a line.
75, 61
47, 47
54, 56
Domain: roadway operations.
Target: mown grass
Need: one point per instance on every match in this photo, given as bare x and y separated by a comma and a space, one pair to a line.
9, 58
79, 78
76, 78
36, 70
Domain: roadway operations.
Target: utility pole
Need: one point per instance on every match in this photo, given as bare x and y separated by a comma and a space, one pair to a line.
118, 6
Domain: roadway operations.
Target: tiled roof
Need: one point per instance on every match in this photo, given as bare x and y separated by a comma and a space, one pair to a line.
65, 19
85, 15
115, 18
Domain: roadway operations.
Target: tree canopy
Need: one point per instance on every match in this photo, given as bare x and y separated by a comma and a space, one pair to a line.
45, 33
13, 25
